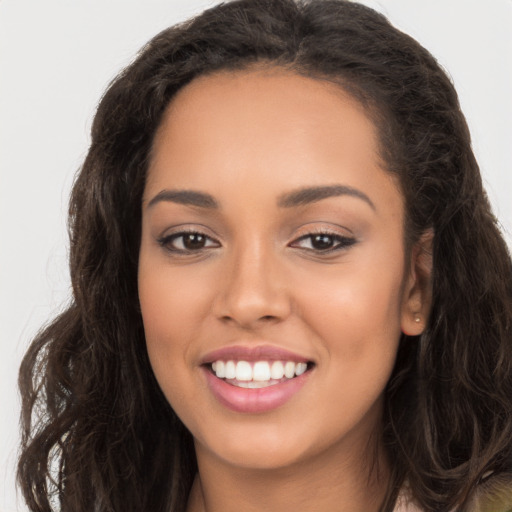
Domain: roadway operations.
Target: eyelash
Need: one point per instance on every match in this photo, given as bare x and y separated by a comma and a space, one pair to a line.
340, 242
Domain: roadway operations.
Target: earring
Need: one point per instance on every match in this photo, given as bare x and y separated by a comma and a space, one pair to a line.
417, 319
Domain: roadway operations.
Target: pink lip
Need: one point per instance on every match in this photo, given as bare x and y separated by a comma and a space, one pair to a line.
254, 400
252, 353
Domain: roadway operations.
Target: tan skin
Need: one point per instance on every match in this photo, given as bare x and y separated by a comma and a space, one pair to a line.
327, 279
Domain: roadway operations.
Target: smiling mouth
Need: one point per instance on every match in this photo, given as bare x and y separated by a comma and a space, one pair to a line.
258, 374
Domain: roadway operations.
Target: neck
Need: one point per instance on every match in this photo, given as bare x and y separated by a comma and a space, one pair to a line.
335, 481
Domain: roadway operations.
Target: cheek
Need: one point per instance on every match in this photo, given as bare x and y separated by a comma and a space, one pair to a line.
353, 301
357, 320
167, 328
356, 316
171, 301
169, 320
175, 305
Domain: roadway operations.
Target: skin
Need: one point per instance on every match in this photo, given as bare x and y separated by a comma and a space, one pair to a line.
247, 138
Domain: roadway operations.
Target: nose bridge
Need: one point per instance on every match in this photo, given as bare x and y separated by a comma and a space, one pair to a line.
254, 288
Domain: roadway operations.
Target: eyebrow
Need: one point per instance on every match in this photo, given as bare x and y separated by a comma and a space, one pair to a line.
308, 195
186, 197
299, 197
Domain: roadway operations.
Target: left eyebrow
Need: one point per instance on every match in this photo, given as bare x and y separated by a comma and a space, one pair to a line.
308, 195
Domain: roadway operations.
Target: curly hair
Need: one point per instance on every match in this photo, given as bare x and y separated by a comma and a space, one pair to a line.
98, 433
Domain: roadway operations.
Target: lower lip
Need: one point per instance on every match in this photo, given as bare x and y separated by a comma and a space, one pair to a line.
254, 400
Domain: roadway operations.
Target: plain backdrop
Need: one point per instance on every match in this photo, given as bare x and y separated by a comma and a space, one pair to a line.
56, 58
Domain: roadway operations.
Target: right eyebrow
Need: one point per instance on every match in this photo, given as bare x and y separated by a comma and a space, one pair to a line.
186, 197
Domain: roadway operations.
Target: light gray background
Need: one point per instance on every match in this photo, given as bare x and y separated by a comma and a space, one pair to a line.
56, 58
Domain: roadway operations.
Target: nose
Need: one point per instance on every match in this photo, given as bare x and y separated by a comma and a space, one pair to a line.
253, 292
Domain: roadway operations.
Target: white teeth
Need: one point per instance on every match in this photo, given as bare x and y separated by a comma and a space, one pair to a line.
300, 368
261, 371
230, 372
289, 369
277, 370
220, 369
243, 371
251, 375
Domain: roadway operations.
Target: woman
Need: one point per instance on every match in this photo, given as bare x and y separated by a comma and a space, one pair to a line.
289, 290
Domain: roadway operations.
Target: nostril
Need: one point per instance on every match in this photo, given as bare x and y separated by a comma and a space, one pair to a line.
265, 318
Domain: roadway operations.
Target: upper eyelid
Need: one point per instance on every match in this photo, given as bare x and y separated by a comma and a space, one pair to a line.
324, 227
327, 233
188, 228
339, 233
178, 234
337, 236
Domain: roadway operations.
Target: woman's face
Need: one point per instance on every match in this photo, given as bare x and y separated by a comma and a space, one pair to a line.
272, 246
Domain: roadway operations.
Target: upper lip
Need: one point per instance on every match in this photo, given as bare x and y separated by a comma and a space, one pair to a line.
253, 353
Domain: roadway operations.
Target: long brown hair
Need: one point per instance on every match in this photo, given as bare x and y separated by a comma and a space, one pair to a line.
98, 435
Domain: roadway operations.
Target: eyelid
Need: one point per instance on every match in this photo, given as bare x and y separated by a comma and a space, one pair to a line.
187, 228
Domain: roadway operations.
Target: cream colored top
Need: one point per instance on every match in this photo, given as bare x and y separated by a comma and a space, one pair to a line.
404, 503
493, 495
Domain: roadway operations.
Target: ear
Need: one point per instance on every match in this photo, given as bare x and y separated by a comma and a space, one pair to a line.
417, 293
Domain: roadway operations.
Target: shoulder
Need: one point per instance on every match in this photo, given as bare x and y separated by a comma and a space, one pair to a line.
405, 501
493, 495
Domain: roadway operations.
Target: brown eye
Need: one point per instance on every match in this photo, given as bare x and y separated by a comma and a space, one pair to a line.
194, 241
323, 242
187, 242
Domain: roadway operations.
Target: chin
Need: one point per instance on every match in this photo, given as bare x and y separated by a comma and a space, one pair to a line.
266, 447
258, 459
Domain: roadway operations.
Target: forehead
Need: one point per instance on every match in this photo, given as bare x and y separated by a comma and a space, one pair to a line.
268, 124
270, 101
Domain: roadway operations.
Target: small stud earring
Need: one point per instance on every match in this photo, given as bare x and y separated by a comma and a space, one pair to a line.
417, 319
